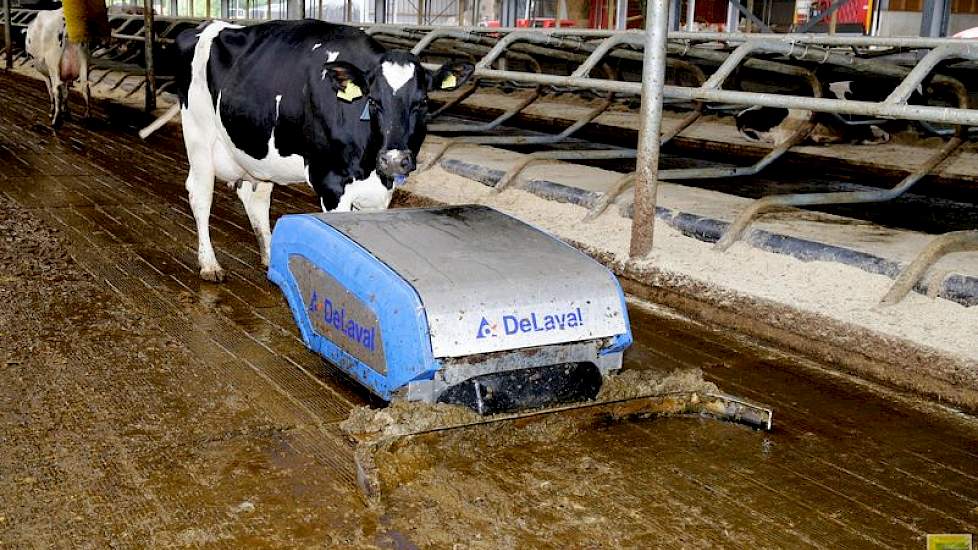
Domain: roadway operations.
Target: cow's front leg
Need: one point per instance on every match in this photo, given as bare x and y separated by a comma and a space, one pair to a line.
256, 198
200, 189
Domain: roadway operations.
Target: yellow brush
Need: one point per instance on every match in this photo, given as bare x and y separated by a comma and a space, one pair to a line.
86, 20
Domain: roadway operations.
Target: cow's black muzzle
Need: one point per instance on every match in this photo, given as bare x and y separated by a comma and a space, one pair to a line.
396, 162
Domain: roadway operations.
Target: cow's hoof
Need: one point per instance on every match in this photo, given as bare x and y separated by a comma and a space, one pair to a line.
214, 274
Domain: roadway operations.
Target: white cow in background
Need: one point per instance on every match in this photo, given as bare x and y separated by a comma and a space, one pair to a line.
59, 60
967, 33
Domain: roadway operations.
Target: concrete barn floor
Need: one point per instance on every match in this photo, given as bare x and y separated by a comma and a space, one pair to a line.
143, 407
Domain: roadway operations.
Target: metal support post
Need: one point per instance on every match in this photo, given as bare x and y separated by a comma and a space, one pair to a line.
380, 11
621, 18
295, 9
507, 17
225, 9
674, 14
753, 18
647, 165
174, 8
733, 17
149, 36
690, 15
934, 19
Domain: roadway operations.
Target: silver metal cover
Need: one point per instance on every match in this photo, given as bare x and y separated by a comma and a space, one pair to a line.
489, 282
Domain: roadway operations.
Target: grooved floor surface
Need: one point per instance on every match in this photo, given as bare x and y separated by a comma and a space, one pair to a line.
166, 411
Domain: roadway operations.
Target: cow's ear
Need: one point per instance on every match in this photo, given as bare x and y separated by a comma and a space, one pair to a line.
347, 81
450, 76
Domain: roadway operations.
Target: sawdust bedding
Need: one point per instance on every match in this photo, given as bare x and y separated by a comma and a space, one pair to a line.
840, 292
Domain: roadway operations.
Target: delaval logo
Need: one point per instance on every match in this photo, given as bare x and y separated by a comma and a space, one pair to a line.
349, 327
515, 324
487, 329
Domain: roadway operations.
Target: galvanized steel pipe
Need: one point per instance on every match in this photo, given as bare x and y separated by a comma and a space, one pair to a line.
955, 241
647, 165
758, 207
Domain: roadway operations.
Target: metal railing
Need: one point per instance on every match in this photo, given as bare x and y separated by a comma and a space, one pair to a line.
786, 54
558, 60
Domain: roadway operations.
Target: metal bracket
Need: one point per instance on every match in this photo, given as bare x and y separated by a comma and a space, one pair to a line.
766, 204
955, 241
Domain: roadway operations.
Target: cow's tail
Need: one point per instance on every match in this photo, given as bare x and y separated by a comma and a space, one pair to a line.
170, 113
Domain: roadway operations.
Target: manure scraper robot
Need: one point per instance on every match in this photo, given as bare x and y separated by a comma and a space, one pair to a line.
456, 305
466, 305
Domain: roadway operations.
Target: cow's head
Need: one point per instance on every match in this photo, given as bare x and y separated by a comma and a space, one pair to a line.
396, 92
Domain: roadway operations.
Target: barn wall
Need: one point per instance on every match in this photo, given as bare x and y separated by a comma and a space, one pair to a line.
907, 23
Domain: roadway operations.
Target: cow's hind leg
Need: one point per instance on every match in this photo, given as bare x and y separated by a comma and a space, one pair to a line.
200, 189
65, 106
60, 102
83, 75
256, 198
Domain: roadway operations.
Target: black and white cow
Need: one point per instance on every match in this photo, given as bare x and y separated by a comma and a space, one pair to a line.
287, 102
773, 124
59, 60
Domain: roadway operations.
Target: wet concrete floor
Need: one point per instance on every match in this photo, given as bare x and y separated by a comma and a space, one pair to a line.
141, 406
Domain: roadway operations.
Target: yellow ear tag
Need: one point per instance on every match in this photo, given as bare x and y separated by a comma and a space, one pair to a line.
449, 82
350, 92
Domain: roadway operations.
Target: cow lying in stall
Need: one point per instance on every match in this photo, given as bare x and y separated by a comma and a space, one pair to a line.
774, 125
287, 102
58, 59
